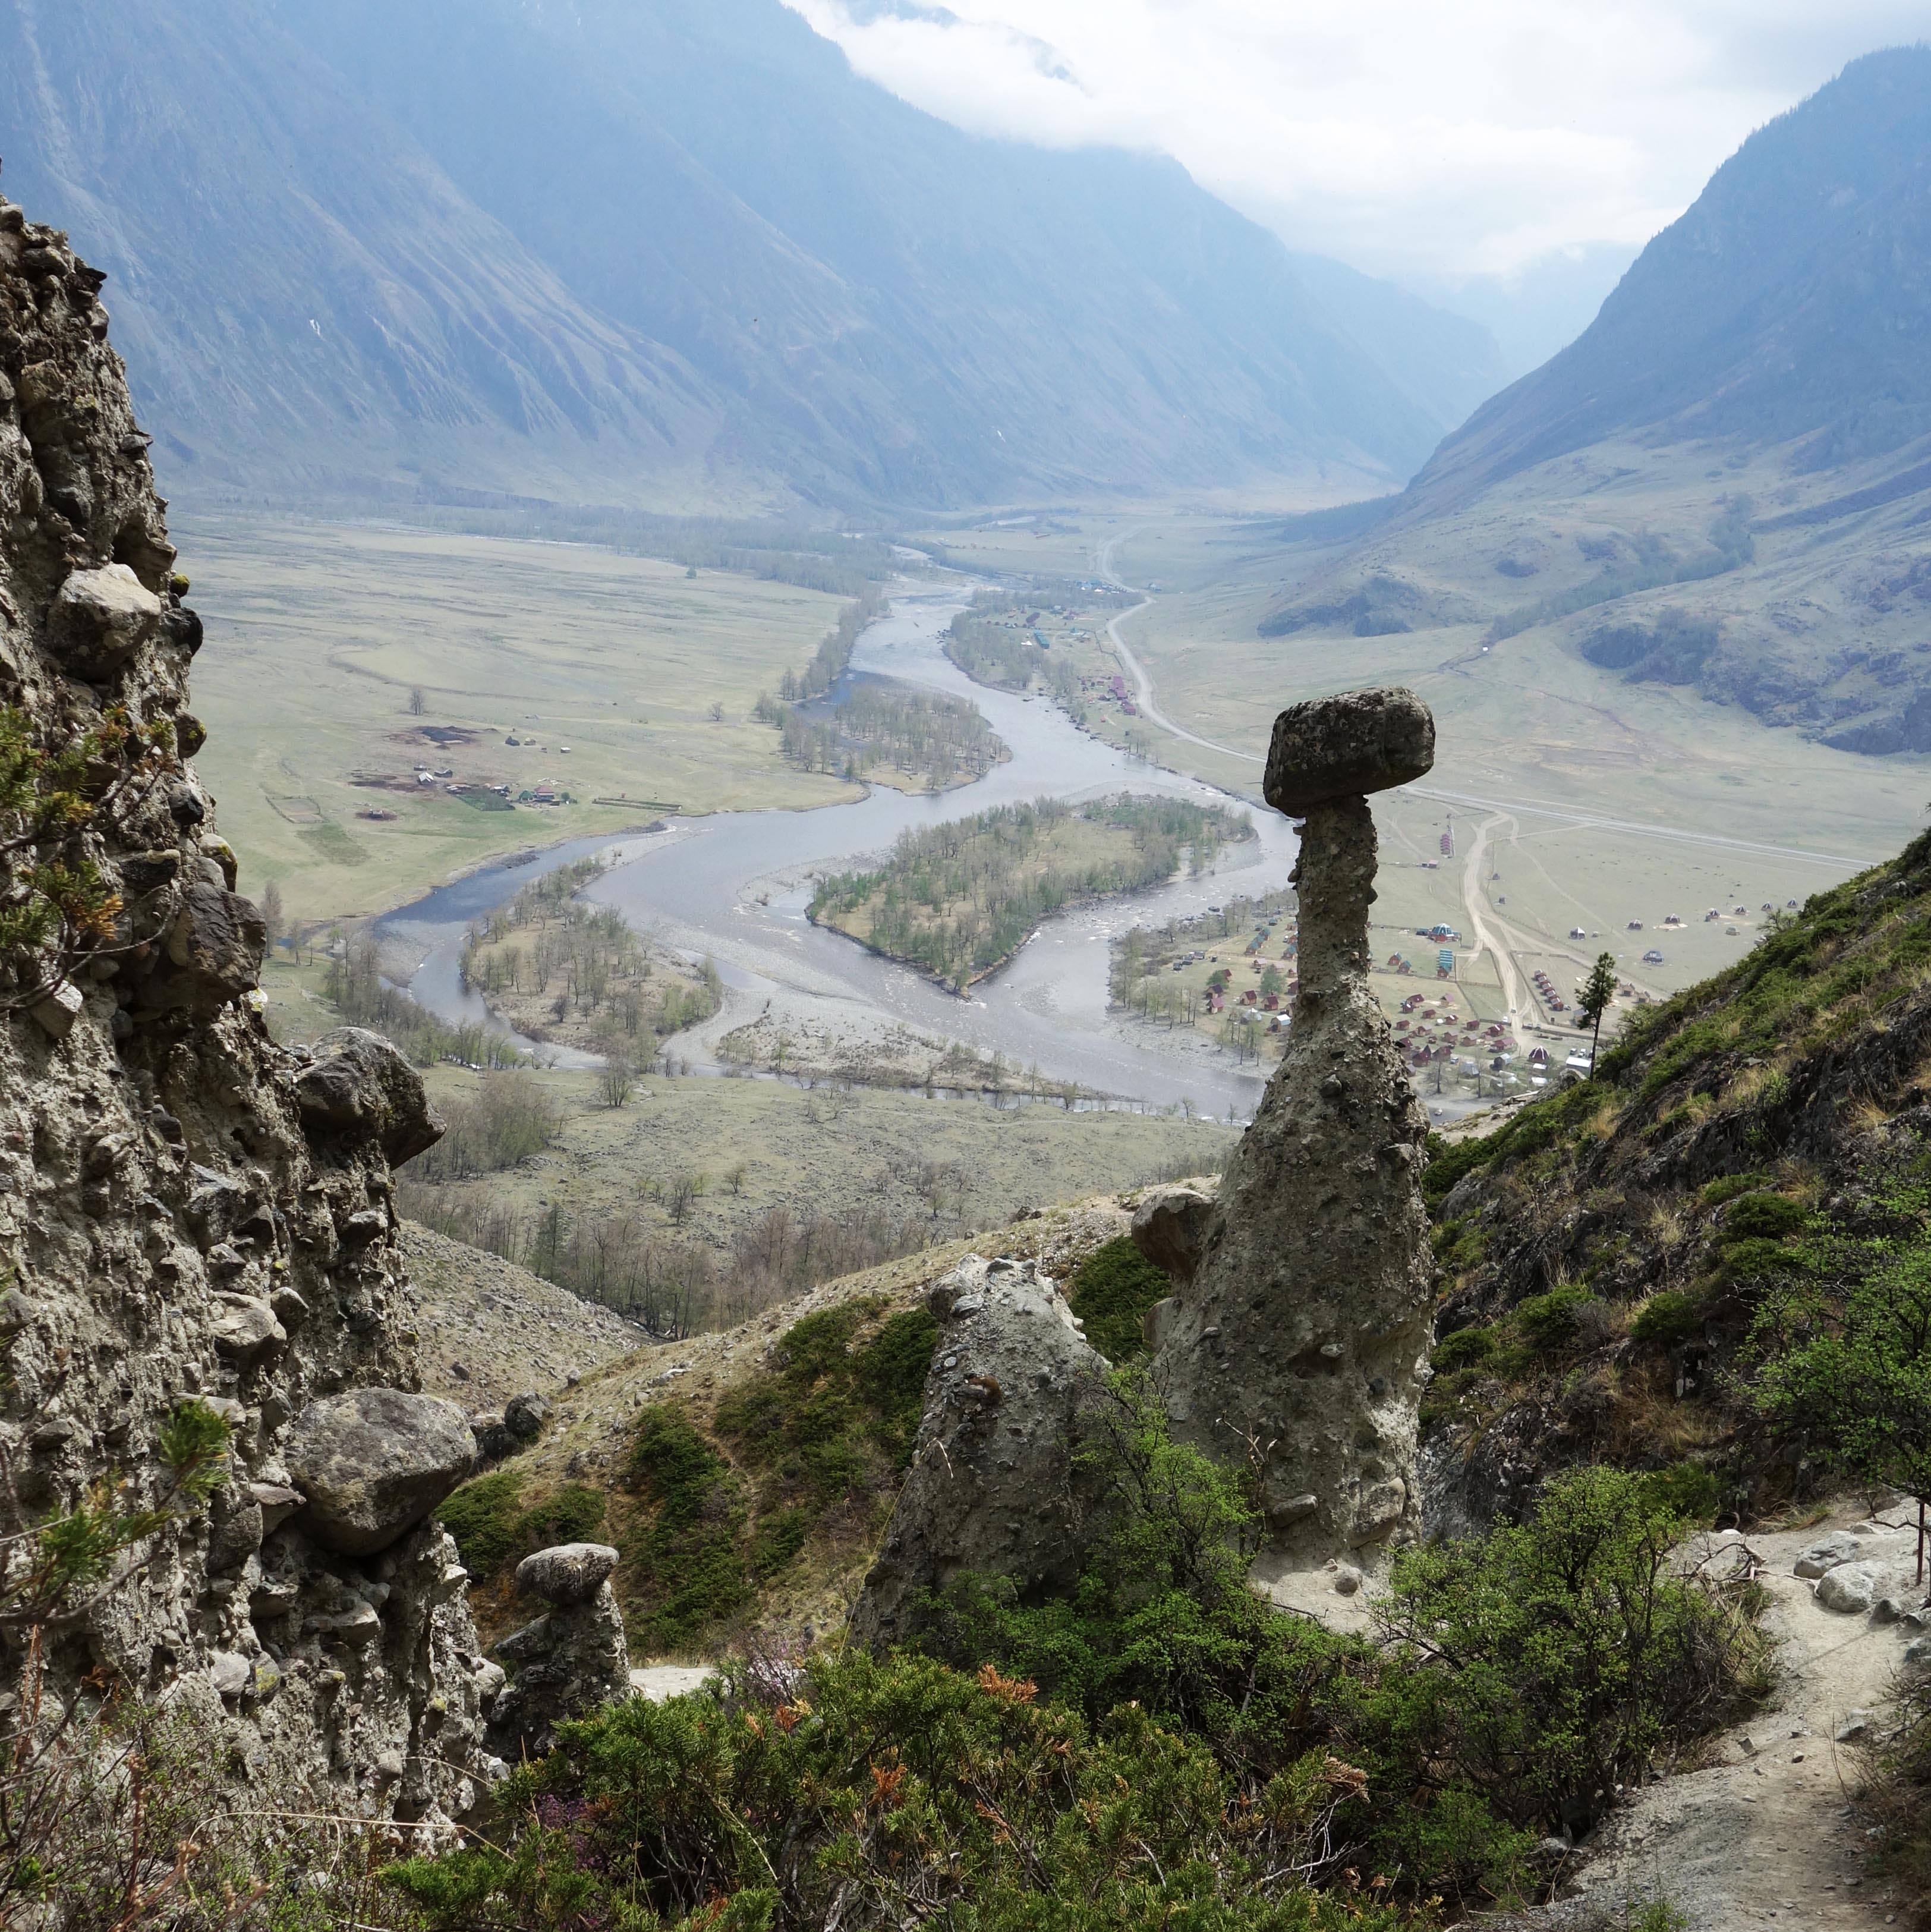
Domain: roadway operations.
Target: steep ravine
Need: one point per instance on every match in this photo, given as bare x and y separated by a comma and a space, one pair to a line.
187, 1211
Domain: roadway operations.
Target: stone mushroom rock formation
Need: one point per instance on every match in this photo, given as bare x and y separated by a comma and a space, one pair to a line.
571, 1660
996, 1487
1297, 1345
188, 1210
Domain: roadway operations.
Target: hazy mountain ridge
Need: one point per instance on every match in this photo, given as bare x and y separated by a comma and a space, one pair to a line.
672, 256
1724, 482
296, 289
1792, 301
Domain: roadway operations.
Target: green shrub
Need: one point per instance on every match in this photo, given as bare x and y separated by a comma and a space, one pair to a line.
1754, 1258
490, 1532
481, 1516
692, 1569
891, 1371
1667, 1318
1728, 1186
574, 1514
1523, 1673
1685, 1490
1899, 1793
1463, 1349
1162, 1615
824, 1432
1563, 1318
1551, 1661
832, 1398
1165, 1750
1448, 1161
1767, 1217
1458, 1246
1111, 1291
893, 1793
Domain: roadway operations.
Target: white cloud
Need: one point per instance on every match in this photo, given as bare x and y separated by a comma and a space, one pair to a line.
1415, 140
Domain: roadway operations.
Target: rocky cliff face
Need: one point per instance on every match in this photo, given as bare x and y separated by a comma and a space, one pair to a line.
186, 1209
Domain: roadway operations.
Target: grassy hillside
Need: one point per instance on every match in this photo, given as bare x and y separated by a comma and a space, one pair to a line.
745, 1475
1623, 1263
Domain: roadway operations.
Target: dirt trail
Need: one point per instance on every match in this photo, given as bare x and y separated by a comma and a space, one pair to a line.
1767, 1835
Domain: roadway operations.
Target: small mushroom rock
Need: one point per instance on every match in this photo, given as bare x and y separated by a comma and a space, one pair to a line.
373, 1463
572, 1660
567, 1572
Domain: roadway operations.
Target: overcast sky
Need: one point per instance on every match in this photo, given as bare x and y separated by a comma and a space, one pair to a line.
1412, 138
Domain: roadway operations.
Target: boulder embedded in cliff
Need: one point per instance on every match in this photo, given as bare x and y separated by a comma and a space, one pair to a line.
996, 1488
357, 1081
99, 618
566, 1573
217, 940
373, 1463
244, 1326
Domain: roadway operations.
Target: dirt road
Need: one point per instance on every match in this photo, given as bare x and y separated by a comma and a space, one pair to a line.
1769, 1833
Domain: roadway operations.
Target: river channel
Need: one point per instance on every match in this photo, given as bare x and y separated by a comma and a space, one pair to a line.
734, 887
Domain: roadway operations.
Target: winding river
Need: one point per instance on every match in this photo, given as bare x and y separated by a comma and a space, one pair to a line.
734, 887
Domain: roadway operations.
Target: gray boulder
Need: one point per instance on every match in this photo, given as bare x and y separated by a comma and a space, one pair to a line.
245, 1326
567, 1572
358, 1082
1170, 1228
524, 1416
100, 617
566, 1664
1838, 1547
995, 1488
1850, 1588
217, 940
373, 1463
1862, 1542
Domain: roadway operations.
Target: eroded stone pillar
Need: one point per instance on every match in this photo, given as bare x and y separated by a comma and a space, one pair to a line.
1298, 1344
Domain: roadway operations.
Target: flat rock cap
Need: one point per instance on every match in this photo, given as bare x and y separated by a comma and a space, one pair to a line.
1341, 747
566, 1573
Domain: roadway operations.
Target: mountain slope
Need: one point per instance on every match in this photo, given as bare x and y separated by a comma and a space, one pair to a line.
659, 252
1770, 1120
1723, 484
298, 291
1792, 301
